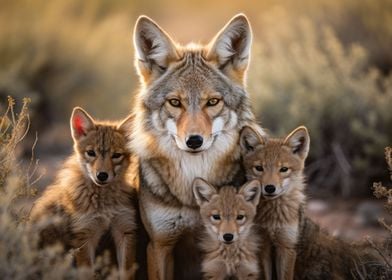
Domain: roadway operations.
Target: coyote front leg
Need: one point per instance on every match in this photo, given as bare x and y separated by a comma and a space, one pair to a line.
160, 260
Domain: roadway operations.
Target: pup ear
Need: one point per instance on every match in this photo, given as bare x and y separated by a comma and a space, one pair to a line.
251, 191
230, 48
81, 123
298, 140
154, 49
202, 191
249, 139
126, 124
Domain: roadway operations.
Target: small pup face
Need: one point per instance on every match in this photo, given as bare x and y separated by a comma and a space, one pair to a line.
276, 163
102, 148
227, 214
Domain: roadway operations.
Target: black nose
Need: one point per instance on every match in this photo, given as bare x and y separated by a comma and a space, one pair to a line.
102, 176
269, 189
228, 237
194, 141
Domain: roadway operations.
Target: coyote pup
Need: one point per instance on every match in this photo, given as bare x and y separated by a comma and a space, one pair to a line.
91, 196
230, 244
278, 164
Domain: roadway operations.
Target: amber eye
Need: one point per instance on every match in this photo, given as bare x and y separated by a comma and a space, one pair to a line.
216, 217
116, 155
91, 153
259, 168
175, 102
213, 102
283, 169
240, 217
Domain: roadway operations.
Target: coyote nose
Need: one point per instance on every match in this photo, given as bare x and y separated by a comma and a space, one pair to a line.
194, 141
269, 189
228, 237
102, 176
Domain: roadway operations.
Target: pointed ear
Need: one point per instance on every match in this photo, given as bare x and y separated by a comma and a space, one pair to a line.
81, 123
154, 49
231, 47
298, 140
251, 191
202, 191
249, 139
126, 124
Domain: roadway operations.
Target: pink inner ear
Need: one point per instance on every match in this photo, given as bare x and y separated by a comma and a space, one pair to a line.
78, 125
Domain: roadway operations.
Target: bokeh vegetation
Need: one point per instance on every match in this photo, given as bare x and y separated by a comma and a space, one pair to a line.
324, 64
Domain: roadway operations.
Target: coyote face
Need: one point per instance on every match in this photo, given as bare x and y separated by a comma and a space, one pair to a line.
277, 163
101, 150
227, 214
193, 96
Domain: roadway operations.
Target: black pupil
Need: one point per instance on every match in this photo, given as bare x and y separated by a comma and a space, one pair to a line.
259, 168
283, 169
216, 217
116, 155
240, 217
91, 153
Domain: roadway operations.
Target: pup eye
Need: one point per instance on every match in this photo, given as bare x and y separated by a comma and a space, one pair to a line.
91, 153
259, 168
175, 102
283, 169
116, 155
216, 217
240, 217
213, 102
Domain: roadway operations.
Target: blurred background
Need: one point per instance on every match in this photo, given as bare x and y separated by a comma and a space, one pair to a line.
322, 63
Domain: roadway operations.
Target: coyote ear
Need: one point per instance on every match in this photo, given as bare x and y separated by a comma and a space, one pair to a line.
231, 47
154, 49
251, 191
249, 139
298, 140
126, 124
81, 123
202, 191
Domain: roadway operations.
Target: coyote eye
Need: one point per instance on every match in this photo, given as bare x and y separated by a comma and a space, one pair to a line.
213, 102
90, 153
284, 169
240, 217
116, 155
259, 168
216, 217
175, 102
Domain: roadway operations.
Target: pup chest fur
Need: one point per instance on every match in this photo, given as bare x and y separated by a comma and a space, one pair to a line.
279, 218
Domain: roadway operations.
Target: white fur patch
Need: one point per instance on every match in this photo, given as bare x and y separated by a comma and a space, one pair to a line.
217, 125
171, 127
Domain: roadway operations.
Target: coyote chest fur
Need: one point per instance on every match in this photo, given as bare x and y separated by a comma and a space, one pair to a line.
188, 115
92, 196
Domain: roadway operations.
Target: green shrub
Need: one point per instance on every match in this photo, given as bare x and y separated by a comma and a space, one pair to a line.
302, 74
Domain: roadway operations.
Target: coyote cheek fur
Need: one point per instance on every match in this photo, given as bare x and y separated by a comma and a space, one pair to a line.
230, 243
91, 196
278, 164
188, 114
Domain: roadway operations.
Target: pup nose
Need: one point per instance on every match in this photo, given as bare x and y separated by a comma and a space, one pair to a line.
228, 237
102, 176
269, 189
194, 141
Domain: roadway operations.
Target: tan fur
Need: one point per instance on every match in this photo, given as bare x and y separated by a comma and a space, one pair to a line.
86, 208
279, 212
228, 212
186, 91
